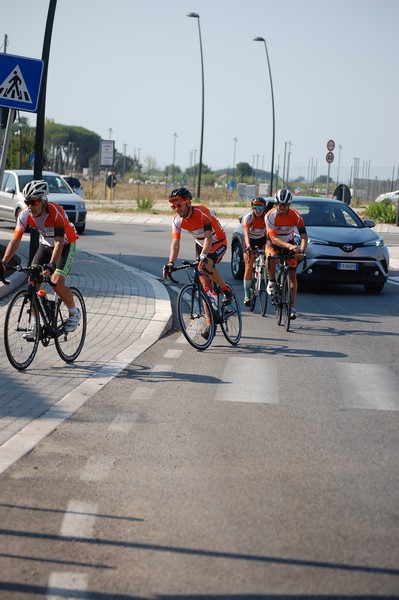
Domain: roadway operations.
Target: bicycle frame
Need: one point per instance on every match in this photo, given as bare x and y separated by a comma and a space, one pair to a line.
199, 322
282, 295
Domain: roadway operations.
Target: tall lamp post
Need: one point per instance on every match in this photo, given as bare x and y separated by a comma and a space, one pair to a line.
261, 39
234, 157
174, 156
196, 16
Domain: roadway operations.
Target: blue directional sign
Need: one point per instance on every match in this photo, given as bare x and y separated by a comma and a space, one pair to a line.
20, 81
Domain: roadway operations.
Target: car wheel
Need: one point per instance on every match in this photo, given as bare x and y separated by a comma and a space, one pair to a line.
81, 228
237, 261
374, 288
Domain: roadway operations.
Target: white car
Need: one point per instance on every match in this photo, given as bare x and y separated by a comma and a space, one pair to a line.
392, 196
12, 200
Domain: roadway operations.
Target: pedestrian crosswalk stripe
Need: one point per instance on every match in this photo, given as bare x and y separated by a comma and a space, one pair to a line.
14, 87
240, 384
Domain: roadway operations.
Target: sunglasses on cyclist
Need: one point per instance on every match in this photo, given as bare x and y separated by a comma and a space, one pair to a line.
33, 201
179, 205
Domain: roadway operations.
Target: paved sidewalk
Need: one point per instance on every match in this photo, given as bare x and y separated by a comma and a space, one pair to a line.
127, 312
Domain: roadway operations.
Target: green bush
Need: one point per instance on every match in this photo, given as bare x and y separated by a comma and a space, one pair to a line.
382, 212
145, 204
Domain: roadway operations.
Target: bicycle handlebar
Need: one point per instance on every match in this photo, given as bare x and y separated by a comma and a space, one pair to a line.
34, 270
186, 265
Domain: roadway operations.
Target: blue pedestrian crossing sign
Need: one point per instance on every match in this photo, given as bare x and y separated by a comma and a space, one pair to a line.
20, 81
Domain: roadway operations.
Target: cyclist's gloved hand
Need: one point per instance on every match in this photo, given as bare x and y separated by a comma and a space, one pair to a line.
167, 269
50, 267
248, 250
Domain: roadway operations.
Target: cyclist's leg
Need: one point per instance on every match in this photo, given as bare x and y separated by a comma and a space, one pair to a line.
62, 290
216, 254
271, 268
247, 279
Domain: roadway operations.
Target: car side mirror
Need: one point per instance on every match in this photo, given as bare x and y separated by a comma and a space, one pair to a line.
369, 222
10, 191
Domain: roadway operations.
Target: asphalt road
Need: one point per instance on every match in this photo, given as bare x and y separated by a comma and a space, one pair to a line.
269, 470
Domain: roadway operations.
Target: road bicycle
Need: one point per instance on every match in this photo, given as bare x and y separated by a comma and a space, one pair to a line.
258, 285
200, 313
50, 315
281, 297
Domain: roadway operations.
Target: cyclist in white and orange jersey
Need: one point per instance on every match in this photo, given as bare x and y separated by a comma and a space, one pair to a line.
57, 238
210, 239
281, 222
254, 232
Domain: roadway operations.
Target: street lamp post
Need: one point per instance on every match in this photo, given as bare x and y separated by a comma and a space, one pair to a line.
174, 155
196, 16
261, 39
234, 157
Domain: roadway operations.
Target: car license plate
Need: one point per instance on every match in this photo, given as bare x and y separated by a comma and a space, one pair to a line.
348, 266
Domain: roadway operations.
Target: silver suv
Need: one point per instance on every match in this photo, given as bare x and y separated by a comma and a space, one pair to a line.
12, 200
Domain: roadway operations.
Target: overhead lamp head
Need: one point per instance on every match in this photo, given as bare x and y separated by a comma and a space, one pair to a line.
195, 15
259, 39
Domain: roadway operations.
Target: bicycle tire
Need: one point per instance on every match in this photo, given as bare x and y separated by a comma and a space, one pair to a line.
262, 293
286, 302
70, 344
252, 295
231, 322
278, 300
192, 304
21, 352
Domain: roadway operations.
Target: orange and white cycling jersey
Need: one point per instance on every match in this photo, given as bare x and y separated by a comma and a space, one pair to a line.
282, 226
54, 223
201, 220
255, 226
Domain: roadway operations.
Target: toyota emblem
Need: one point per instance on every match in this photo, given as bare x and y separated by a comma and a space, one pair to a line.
347, 247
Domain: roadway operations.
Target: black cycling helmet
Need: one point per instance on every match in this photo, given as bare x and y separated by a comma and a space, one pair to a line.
258, 202
182, 193
283, 196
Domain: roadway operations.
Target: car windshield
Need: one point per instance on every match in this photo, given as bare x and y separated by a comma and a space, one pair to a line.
55, 183
328, 214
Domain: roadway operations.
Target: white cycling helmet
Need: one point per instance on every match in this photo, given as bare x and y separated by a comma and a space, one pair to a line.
36, 189
283, 196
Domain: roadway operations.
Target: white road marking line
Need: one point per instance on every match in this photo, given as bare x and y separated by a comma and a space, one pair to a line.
161, 369
368, 386
97, 468
249, 380
123, 422
79, 519
60, 583
172, 353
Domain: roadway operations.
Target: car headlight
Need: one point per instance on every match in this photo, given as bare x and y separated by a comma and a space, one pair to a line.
317, 242
81, 206
378, 243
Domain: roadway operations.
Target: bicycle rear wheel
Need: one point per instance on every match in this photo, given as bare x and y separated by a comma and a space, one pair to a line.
262, 293
231, 322
69, 344
21, 352
195, 317
286, 302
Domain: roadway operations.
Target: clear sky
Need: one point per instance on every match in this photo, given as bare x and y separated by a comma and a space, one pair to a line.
130, 71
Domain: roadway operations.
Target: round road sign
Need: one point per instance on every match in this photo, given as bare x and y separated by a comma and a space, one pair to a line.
329, 157
330, 145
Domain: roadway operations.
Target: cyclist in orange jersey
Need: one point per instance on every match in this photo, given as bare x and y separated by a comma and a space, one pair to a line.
210, 238
254, 231
281, 222
57, 237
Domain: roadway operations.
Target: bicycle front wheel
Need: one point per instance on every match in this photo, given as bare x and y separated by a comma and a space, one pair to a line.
69, 344
262, 293
21, 351
286, 302
195, 317
231, 322
252, 294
